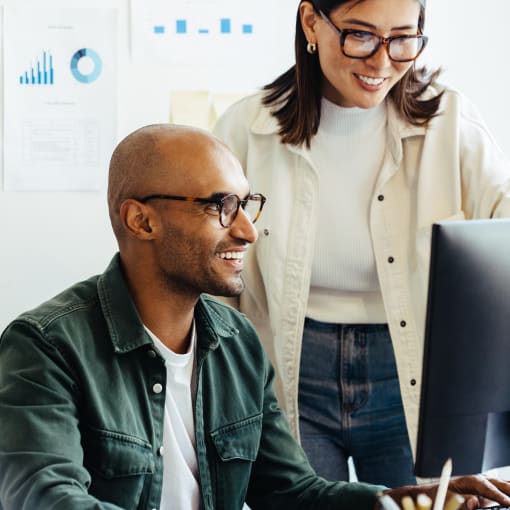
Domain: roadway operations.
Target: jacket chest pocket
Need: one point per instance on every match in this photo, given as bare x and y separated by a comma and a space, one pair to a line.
237, 446
120, 467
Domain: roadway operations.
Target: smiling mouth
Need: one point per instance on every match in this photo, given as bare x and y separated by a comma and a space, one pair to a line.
369, 80
231, 255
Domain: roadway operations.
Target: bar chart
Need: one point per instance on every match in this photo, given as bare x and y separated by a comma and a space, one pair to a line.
214, 44
183, 26
41, 72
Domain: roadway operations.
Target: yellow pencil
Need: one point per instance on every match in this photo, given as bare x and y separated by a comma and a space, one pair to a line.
408, 503
423, 502
454, 502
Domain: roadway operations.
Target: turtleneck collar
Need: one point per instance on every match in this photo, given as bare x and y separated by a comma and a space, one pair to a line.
340, 120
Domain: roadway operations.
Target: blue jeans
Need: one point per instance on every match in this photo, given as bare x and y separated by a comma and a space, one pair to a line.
350, 404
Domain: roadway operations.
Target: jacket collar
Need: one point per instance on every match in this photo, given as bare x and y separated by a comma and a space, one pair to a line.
264, 123
125, 326
211, 325
399, 130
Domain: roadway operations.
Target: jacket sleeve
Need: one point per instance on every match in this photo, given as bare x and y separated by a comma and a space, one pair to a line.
282, 478
485, 168
41, 458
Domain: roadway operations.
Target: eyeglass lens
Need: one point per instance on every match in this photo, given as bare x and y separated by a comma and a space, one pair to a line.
363, 44
230, 208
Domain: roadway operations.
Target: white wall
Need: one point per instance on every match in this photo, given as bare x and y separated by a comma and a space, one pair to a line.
469, 41
50, 240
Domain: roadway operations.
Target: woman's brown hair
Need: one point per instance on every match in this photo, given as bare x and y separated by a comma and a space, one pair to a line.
295, 96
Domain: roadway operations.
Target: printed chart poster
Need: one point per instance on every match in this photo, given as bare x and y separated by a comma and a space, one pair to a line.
59, 86
215, 44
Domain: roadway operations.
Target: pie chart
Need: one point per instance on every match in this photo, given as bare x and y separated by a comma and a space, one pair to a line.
89, 59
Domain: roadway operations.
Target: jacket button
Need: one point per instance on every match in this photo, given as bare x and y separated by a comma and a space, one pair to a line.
161, 451
413, 382
391, 260
380, 198
403, 324
266, 232
157, 388
151, 353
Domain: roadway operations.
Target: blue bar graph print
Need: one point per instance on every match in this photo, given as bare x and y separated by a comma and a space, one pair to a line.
225, 26
181, 26
41, 72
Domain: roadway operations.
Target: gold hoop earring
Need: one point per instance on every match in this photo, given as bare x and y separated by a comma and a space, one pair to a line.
311, 48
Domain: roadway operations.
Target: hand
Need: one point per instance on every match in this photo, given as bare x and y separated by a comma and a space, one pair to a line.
477, 490
480, 491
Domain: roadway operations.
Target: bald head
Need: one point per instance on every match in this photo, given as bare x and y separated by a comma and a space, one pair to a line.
158, 158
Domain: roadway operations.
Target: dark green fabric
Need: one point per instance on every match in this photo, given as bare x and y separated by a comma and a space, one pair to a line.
80, 424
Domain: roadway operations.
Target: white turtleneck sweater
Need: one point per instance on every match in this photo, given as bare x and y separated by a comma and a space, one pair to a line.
347, 152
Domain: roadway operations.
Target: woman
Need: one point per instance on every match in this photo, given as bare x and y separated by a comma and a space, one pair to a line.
359, 152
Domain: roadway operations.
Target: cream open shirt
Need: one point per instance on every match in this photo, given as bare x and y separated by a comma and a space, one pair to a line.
451, 170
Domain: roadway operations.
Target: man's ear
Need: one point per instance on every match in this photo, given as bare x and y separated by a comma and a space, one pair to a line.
138, 219
308, 17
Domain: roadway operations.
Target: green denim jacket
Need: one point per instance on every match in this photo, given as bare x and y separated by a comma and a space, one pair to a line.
82, 394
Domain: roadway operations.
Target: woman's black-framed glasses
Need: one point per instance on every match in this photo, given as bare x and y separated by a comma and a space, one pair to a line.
357, 43
227, 206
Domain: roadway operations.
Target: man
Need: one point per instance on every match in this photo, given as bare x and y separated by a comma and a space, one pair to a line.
134, 390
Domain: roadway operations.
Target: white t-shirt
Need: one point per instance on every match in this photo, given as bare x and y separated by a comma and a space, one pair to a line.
181, 486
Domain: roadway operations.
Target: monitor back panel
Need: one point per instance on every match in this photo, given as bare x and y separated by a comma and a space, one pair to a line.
466, 369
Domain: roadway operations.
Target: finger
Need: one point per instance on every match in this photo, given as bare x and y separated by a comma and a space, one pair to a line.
481, 486
502, 485
497, 490
471, 503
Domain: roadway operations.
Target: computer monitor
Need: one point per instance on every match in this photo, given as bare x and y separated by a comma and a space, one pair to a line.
465, 394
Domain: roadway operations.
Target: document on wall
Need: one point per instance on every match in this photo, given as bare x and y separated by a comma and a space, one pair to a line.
59, 97
219, 45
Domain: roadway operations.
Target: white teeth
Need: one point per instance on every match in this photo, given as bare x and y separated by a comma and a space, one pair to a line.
370, 81
231, 255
